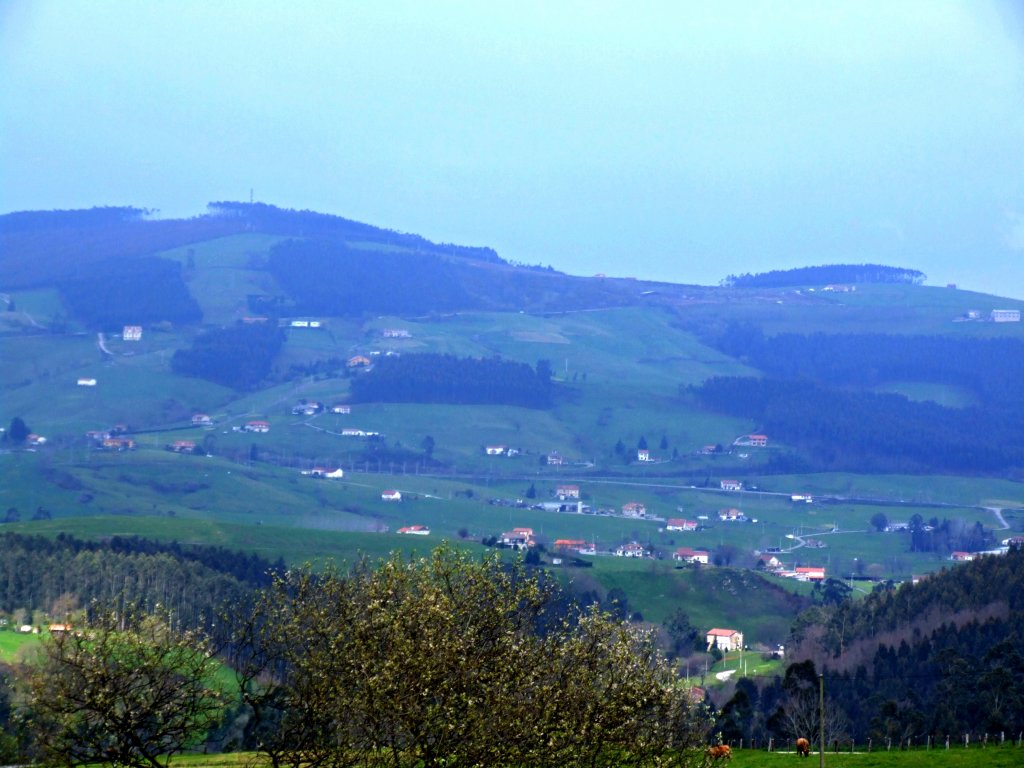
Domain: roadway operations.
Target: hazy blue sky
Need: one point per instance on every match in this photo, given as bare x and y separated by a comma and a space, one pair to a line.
670, 140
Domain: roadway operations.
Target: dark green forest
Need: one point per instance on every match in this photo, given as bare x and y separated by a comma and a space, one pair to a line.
239, 357
433, 378
328, 278
261, 217
50, 577
829, 273
130, 291
812, 401
940, 657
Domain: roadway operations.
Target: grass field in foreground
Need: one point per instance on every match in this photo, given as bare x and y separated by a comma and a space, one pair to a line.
1006, 756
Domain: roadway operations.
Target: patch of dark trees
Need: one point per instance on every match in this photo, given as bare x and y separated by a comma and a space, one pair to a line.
435, 378
239, 357
325, 277
310, 224
868, 432
130, 291
826, 274
810, 399
39, 248
990, 368
940, 657
38, 573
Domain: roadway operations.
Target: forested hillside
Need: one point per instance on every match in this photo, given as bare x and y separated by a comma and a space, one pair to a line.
817, 398
941, 657
50, 579
130, 291
847, 274
239, 357
429, 378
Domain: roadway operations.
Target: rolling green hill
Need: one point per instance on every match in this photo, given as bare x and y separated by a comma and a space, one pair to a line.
624, 354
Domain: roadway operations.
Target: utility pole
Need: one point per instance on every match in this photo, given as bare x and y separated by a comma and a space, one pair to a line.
821, 720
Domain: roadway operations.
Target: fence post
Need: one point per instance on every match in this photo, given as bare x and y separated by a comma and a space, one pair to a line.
888, 743
869, 745
770, 740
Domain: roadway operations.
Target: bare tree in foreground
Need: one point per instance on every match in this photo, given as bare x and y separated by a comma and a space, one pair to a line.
126, 689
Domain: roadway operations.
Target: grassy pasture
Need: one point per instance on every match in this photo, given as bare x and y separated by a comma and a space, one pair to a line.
226, 272
1005, 756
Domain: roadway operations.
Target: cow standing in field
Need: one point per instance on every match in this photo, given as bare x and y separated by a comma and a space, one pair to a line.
720, 752
803, 747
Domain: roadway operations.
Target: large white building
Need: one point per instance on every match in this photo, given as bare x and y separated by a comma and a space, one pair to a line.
1005, 316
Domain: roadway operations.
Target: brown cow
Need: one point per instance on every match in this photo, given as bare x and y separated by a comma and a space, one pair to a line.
803, 747
721, 752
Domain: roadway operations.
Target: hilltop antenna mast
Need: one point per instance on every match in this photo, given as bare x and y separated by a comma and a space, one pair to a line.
250, 195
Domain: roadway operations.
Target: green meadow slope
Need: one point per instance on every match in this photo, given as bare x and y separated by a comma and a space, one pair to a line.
623, 353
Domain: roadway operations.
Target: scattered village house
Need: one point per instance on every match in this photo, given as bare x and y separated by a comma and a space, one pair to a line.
578, 546
396, 333
358, 361
634, 509
391, 495
415, 530
517, 538
725, 639
963, 557
643, 454
132, 333
118, 444
567, 492
257, 426
1005, 316
731, 485
341, 408
770, 562
201, 420
731, 515
688, 555
756, 441
679, 524
87, 382
495, 450
182, 446
810, 573
326, 473
633, 549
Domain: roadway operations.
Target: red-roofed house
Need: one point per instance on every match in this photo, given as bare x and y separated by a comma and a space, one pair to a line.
963, 557
731, 485
415, 530
257, 426
725, 639
634, 509
687, 555
576, 545
811, 573
517, 538
567, 492
391, 496
678, 524
633, 549
757, 441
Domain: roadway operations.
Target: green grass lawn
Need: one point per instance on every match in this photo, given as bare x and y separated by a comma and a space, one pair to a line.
975, 757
